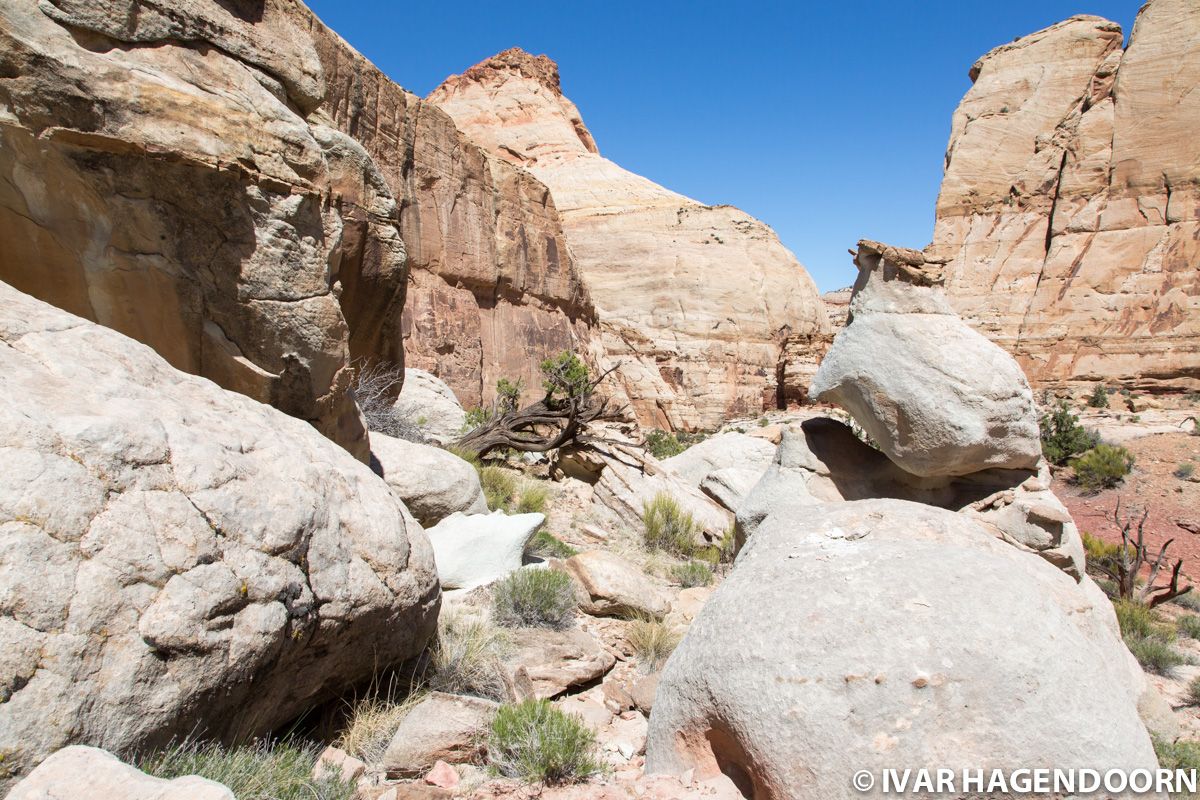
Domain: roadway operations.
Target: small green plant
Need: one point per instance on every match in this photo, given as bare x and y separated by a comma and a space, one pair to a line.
538, 743
763, 422
1102, 467
1155, 654
565, 375
547, 545
465, 658
1137, 620
1188, 626
466, 455
1193, 691
1063, 437
1185, 470
534, 598
1147, 637
262, 771
1177, 755
1190, 601
1099, 397
499, 486
508, 394
662, 444
652, 642
693, 573
475, 417
668, 527
532, 498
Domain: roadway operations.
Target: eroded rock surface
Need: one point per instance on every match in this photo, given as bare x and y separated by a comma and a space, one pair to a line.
432, 483
696, 302
1069, 216
178, 559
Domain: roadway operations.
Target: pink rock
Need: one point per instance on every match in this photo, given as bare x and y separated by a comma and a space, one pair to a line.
442, 775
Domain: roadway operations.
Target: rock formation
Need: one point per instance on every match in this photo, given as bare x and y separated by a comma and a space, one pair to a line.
177, 559
884, 633
430, 405
937, 397
698, 302
1069, 214
431, 482
234, 186
75, 771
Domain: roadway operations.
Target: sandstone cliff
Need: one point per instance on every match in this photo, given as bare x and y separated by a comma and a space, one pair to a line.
697, 302
1069, 212
235, 186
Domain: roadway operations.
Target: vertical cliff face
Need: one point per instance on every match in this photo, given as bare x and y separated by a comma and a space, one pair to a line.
697, 303
493, 288
1069, 213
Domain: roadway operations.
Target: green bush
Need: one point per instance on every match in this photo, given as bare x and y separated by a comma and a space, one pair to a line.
763, 422
1193, 691
693, 573
499, 487
1137, 620
668, 527
566, 375
1177, 755
1189, 600
1155, 654
547, 545
538, 743
534, 598
1185, 470
508, 394
264, 771
1188, 626
1102, 467
475, 418
663, 444
652, 642
1063, 436
532, 498
1099, 397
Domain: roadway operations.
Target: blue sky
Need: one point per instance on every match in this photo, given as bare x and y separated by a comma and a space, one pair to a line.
828, 121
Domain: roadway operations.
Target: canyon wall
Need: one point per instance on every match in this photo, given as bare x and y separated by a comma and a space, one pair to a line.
700, 305
1069, 214
235, 186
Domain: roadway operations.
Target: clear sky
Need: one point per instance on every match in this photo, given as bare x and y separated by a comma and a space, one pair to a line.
827, 120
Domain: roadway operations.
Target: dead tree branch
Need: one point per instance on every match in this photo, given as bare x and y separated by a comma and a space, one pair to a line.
1124, 567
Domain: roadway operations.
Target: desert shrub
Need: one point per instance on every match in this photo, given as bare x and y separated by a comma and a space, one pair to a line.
508, 394
668, 527
1102, 467
534, 598
1098, 550
652, 642
693, 573
532, 498
372, 722
538, 743
664, 444
475, 417
465, 658
1177, 755
261, 771
547, 545
1137, 620
1063, 436
1188, 626
763, 422
1185, 470
1099, 397
1155, 654
499, 487
565, 375
374, 391
1190, 601
1193, 691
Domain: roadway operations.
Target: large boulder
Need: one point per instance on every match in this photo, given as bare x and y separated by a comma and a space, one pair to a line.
427, 402
176, 558
889, 633
610, 585
477, 549
721, 451
823, 461
90, 772
442, 727
937, 397
433, 483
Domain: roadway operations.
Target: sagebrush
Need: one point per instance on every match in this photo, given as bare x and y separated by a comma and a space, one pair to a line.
466, 657
668, 527
538, 743
1102, 467
535, 598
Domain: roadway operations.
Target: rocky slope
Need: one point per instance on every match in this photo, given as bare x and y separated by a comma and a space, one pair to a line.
235, 187
697, 302
1068, 214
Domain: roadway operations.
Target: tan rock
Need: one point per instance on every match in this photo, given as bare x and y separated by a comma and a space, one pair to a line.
613, 586
1068, 212
442, 727
641, 248
554, 661
175, 557
433, 483
89, 772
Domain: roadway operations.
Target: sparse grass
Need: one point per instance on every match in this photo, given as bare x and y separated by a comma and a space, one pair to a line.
534, 598
499, 486
468, 456
1137, 620
262, 771
1147, 637
1102, 467
668, 527
693, 573
1097, 549
1190, 601
466, 657
1156, 655
538, 743
652, 642
1193, 691
1183, 755
372, 723
547, 545
763, 422
1185, 470
532, 498
1188, 626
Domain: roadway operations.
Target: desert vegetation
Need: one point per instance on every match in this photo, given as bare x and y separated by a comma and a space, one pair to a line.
668, 527
535, 598
538, 743
264, 770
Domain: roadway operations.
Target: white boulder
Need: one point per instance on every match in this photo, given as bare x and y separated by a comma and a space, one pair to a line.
477, 549
427, 402
433, 483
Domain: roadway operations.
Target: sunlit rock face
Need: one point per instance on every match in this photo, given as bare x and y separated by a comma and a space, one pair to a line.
698, 303
1068, 216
